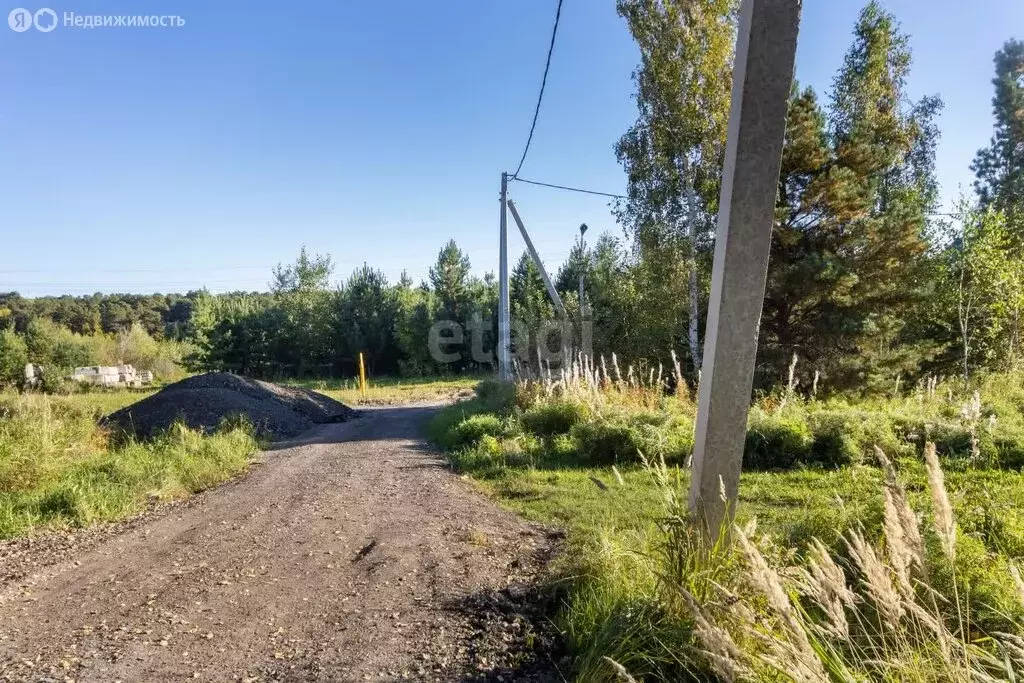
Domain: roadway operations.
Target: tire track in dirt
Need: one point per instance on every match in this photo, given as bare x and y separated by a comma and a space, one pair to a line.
264, 579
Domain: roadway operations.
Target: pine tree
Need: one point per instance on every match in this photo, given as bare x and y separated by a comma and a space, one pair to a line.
848, 248
365, 321
449, 278
568, 277
531, 307
1000, 166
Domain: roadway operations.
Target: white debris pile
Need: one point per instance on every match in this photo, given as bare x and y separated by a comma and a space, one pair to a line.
112, 376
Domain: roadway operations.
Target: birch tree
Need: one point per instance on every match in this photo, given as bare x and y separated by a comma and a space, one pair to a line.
672, 154
980, 289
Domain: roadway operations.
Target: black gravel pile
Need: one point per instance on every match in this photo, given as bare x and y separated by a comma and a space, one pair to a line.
203, 401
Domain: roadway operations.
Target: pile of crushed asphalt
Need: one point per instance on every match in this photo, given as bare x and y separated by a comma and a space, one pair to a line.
202, 401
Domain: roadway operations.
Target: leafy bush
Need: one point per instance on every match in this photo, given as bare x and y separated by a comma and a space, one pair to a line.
13, 357
557, 417
471, 430
563, 447
614, 441
777, 441
844, 437
442, 428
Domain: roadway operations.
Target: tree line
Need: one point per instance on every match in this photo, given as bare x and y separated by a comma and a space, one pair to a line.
868, 285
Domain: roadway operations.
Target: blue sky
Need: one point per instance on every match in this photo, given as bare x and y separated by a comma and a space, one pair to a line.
164, 159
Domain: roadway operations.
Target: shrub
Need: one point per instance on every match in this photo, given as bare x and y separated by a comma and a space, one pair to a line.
558, 417
843, 437
13, 357
608, 442
951, 440
563, 447
489, 446
496, 395
442, 429
1009, 450
777, 441
471, 430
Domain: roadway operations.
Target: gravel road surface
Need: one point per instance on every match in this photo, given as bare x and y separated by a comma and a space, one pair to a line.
347, 554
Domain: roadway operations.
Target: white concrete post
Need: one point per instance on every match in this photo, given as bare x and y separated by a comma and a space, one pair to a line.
762, 78
504, 316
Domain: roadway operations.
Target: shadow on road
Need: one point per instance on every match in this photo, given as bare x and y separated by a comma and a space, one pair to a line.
533, 641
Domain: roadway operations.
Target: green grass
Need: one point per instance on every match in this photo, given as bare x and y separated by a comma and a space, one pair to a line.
59, 470
393, 390
534, 454
103, 401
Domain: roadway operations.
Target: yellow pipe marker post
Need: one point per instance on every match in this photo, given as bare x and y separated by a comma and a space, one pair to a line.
362, 375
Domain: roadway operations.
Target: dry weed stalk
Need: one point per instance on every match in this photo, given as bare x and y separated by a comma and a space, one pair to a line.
902, 532
971, 413
824, 581
1018, 582
942, 510
620, 671
802, 662
903, 636
726, 658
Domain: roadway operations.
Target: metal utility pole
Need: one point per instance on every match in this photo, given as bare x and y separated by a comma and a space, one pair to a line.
504, 317
762, 78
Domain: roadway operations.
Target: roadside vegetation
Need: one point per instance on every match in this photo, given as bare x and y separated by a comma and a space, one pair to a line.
58, 469
607, 461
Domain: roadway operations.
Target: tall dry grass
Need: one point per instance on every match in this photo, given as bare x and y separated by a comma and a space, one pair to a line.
875, 612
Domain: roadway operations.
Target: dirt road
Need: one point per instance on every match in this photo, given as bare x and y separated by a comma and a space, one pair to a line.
348, 554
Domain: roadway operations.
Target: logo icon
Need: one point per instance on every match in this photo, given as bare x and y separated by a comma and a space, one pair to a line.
20, 20
45, 20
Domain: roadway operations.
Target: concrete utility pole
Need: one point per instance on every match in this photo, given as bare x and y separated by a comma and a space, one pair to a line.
504, 317
762, 78
583, 251
552, 292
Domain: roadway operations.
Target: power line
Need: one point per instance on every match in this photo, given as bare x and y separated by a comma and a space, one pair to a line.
570, 189
540, 96
621, 196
